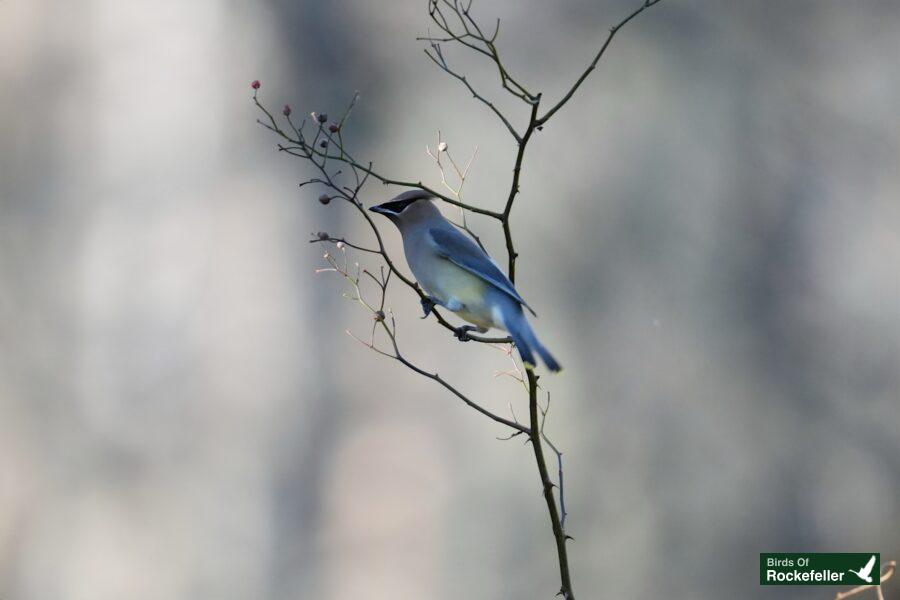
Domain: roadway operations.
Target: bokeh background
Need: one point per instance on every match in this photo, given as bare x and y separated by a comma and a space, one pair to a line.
709, 232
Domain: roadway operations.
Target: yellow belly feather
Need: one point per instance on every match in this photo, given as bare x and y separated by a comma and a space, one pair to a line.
451, 282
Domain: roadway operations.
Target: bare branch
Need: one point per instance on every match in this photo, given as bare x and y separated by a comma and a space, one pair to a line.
612, 32
438, 59
461, 175
326, 150
471, 36
559, 469
436, 377
335, 240
353, 278
514, 190
310, 151
559, 533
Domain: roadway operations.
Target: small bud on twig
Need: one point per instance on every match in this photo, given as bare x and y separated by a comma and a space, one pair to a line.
287, 110
322, 235
379, 315
323, 143
442, 147
322, 118
333, 128
324, 199
255, 85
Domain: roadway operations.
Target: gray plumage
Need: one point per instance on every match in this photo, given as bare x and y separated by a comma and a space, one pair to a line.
458, 275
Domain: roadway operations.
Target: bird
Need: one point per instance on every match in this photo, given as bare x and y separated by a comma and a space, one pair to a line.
866, 572
457, 274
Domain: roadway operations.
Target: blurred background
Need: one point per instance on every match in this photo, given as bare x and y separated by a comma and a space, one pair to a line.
709, 232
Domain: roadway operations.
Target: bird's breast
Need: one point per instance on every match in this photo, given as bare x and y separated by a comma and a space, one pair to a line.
450, 283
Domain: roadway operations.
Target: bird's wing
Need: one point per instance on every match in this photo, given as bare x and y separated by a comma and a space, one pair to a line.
463, 252
868, 568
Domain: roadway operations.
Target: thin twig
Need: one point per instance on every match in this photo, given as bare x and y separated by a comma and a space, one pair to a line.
327, 149
559, 533
354, 278
559, 469
304, 149
438, 59
612, 32
461, 175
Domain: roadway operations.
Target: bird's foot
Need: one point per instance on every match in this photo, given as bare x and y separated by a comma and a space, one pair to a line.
428, 305
462, 333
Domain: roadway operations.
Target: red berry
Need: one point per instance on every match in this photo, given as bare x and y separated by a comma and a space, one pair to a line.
324, 198
255, 85
333, 128
287, 110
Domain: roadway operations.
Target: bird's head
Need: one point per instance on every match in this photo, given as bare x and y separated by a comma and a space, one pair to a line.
409, 207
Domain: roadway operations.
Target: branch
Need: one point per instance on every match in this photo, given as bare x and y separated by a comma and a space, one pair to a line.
461, 175
438, 58
378, 314
454, 19
559, 469
514, 190
324, 237
434, 376
471, 36
612, 32
310, 151
559, 533
306, 150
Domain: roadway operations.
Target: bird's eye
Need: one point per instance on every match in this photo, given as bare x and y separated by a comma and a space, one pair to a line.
398, 206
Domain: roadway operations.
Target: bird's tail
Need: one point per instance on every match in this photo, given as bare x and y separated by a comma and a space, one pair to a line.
526, 341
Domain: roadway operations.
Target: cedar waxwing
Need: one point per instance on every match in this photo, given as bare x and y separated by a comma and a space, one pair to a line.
458, 275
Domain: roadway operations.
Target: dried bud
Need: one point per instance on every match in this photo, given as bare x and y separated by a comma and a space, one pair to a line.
333, 128
255, 85
322, 118
323, 143
340, 245
324, 199
379, 315
322, 235
442, 147
287, 110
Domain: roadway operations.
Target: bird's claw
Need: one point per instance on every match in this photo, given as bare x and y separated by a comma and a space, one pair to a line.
462, 333
427, 306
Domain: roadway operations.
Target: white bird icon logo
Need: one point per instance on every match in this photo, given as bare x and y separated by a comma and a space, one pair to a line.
866, 572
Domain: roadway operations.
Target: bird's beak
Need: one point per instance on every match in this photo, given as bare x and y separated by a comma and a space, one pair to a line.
379, 209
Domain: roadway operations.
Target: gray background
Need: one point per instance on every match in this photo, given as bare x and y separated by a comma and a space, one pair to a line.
709, 232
